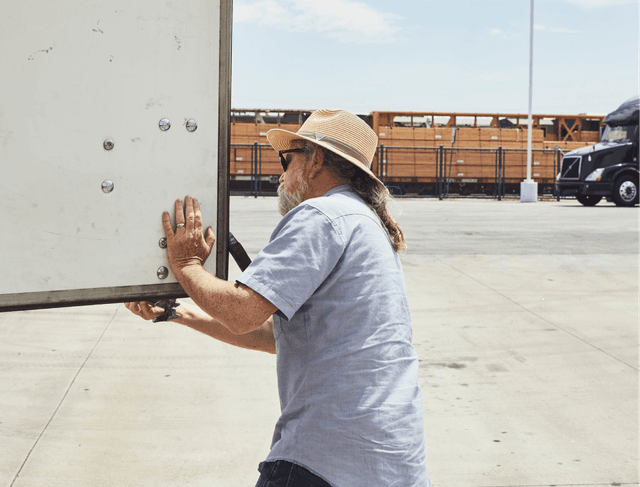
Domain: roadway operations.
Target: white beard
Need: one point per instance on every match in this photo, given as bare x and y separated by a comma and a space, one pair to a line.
288, 201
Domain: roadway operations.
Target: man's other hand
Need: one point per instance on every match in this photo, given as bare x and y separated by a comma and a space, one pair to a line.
144, 309
189, 244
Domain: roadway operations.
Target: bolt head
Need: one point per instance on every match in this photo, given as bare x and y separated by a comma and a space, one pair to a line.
107, 186
191, 125
108, 144
162, 272
164, 124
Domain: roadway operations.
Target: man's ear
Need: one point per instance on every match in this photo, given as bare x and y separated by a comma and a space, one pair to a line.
318, 156
317, 164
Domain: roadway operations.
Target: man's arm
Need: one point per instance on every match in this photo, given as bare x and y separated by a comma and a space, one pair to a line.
261, 338
239, 308
236, 306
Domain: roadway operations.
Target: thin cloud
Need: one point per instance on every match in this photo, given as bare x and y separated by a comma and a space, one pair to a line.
491, 76
600, 3
560, 30
344, 20
495, 32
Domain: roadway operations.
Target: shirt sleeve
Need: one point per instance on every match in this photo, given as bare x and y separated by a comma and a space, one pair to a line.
303, 250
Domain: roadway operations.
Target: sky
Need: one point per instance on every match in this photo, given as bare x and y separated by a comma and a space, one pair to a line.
435, 55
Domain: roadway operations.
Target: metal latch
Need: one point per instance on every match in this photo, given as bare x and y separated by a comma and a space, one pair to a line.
169, 306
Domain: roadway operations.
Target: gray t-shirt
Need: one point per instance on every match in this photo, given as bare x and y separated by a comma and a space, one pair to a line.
347, 370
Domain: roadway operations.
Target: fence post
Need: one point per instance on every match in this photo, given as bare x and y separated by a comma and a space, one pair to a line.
254, 168
503, 184
441, 172
437, 172
557, 162
251, 170
500, 174
496, 176
259, 176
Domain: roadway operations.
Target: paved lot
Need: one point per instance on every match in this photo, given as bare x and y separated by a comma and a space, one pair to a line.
525, 322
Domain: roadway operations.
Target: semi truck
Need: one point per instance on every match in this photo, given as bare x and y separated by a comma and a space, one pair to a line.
608, 169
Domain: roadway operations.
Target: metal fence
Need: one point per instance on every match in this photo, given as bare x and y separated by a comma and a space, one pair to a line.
476, 172
492, 172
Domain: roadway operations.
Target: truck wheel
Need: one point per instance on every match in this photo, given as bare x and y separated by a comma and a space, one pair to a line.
588, 200
625, 191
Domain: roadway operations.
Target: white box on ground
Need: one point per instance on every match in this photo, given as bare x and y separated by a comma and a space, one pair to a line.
528, 192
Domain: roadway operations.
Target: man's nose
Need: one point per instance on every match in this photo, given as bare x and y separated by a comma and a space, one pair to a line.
281, 180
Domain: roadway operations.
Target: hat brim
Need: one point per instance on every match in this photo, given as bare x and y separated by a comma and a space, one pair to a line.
281, 139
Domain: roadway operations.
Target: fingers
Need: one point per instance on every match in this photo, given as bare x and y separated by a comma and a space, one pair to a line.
197, 215
189, 244
144, 309
189, 213
180, 213
148, 310
166, 224
189, 217
210, 238
134, 307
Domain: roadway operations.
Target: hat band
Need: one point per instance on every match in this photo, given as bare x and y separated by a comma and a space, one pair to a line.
341, 146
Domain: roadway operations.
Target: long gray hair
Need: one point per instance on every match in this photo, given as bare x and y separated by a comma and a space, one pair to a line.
374, 193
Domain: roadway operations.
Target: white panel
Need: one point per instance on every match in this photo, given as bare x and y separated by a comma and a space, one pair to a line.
75, 73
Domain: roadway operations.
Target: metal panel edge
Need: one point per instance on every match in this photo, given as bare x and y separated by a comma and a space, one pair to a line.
224, 137
86, 297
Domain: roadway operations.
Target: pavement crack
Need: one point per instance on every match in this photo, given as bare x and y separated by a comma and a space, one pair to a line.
536, 314
64, 396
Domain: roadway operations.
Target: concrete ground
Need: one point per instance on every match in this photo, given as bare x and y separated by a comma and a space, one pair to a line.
525, 322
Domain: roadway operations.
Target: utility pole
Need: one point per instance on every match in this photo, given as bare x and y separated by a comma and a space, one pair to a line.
528, 187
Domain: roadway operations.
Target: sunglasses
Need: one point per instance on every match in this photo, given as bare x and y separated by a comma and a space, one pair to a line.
283, 160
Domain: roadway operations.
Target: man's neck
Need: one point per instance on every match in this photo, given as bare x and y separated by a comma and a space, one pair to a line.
319, 188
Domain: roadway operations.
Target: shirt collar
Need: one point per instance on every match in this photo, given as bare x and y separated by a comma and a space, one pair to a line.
343, 188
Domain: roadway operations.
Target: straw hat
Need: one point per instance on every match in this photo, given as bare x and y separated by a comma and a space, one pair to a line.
339, 131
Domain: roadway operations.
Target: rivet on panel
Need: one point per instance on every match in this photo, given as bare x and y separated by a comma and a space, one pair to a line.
192, 125
107, 186
164, 124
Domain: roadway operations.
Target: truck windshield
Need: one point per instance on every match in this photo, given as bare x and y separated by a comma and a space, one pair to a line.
619, 133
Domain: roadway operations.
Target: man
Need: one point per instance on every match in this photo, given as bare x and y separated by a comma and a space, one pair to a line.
327, 296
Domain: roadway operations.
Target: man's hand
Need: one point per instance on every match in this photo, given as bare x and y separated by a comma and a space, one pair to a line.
188, 245
144, 309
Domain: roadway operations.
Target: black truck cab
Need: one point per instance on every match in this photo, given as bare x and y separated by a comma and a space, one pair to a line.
608, 169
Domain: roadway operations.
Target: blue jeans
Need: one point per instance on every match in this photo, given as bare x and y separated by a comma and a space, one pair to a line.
286, 474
